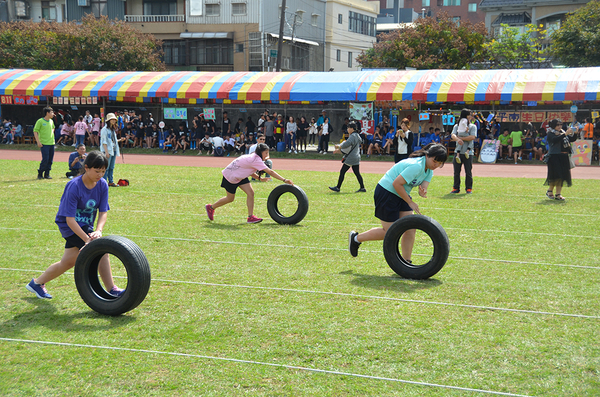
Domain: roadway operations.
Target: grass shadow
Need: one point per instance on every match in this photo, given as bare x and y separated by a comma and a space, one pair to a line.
45, 315
390, 283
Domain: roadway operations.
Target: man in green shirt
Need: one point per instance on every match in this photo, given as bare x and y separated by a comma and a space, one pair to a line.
516, 145
44, 136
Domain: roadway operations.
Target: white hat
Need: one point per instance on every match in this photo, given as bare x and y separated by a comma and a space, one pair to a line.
110, 116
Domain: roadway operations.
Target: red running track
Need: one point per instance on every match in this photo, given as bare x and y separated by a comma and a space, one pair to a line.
370, 167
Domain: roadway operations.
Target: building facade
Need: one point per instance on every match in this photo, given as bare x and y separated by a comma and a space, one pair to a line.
351, 28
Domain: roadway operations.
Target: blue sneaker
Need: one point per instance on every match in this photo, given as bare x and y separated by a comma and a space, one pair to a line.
116, 291
38, 289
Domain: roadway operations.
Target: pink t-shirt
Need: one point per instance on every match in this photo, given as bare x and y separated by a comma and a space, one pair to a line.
243, 167
96, 124
80, 128
66, 129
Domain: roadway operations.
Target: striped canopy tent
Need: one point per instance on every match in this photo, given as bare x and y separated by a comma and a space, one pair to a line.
468, 86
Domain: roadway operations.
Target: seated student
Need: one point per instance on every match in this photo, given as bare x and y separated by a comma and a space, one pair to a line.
170, 139
76, 160
389, 141
435, 137
229, 144
17, 130
182, 139
240, 144
65, 134
376, 145
206, 144
250, 140
504, 144
539, 147
218, 146
7, 136
129, 134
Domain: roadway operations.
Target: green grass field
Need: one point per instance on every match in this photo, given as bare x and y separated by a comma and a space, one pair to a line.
271, 310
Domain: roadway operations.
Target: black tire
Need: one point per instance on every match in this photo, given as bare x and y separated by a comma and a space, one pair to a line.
393, 256
90, 287
274, 199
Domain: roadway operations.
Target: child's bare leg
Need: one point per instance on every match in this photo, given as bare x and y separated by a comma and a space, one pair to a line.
66, 262
223, 200
377, 233
106, 272
247, 188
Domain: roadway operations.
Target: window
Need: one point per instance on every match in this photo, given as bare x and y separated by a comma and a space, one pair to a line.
198, 52
49, 10
349, 59
174, 52
552, 26
213, 10
299, 16
160, 7
99, 8
426, 3
456, 20
314, 19
451, 2
338, 55
238, 9
340, 18
472, 7
363, 24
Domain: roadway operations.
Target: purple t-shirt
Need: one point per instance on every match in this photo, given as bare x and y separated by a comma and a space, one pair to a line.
81, 203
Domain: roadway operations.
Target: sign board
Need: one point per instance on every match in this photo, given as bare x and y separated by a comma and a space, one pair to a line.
273, 53
574, 109
423, 116
175, 113
209, 114
582, 152
489, 151
361, 111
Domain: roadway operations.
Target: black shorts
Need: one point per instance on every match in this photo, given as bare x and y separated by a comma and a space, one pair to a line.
95, 133
517, 147
76, 241
232, 187
388, 205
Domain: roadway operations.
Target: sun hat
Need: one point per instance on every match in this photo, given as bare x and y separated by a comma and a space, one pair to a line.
110, 116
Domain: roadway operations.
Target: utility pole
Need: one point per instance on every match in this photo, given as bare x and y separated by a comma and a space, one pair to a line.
280, 43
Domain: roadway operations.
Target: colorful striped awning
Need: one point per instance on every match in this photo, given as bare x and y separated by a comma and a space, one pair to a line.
469, 86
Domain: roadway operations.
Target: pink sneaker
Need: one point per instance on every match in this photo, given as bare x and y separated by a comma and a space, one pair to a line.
210, 212
253, 219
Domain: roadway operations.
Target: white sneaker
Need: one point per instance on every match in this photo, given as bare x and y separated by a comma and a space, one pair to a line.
290, 151
295, 152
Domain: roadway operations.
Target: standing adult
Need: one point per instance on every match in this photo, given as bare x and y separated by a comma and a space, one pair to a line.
559, 165
465, 161
403, 141
269, 131
351, 149
43, 131
109, 145
326, 130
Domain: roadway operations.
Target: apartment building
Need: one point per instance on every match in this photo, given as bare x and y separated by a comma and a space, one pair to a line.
350, 29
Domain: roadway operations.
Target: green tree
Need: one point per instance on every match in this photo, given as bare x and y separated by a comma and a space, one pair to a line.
513, 49
428, 43
92, 44
577, 41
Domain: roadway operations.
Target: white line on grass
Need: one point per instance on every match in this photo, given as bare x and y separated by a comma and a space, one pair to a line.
320, 248
347, 294
201, 214
239, 361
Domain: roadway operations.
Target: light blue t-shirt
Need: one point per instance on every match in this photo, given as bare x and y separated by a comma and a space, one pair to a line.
412, 170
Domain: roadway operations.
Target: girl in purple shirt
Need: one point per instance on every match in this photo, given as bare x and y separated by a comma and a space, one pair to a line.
236, 175
84, 197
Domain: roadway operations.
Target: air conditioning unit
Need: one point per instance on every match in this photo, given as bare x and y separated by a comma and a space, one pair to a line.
286, 63
83, 3
22, 9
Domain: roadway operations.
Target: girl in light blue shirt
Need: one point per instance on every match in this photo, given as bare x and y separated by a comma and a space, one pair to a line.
392, 195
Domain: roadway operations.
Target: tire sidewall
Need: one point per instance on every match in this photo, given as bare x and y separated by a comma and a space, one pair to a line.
272, 204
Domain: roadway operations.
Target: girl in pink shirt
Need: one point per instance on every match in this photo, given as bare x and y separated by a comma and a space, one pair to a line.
80, 130
95, 130
236, 175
